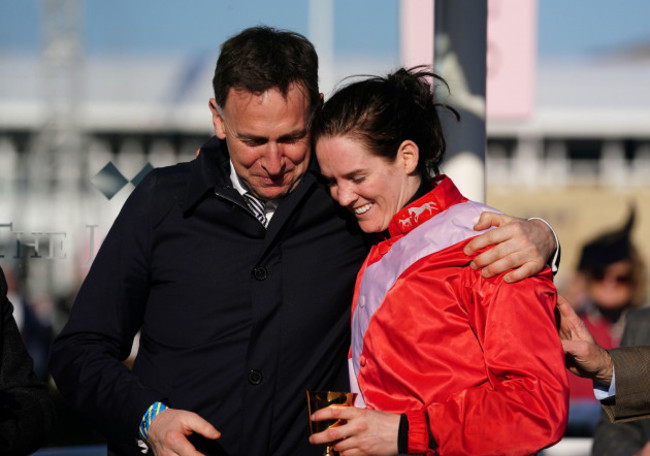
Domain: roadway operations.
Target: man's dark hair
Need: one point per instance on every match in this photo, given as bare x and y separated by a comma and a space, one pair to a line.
261, 58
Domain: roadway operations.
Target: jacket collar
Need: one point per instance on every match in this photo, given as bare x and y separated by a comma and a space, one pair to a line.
210, 171
442, 195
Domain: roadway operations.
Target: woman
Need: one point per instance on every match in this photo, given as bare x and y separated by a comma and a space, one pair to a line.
445, 361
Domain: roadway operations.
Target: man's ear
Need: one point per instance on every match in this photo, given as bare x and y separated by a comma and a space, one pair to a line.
408, 155
217, 120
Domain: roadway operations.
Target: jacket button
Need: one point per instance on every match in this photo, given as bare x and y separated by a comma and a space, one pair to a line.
254, 377
260, 273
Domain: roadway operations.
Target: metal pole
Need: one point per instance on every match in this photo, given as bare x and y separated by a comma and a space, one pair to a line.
460, 57
321, 34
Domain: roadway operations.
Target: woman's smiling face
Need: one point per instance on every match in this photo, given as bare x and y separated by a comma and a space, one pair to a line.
371, 187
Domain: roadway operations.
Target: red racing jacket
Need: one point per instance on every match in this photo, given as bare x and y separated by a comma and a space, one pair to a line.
476, 364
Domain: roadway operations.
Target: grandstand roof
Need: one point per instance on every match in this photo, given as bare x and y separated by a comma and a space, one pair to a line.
608, 95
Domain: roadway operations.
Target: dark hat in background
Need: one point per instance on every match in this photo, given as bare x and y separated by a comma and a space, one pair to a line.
608, 248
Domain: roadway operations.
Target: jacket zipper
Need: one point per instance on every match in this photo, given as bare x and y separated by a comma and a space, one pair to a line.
235, 202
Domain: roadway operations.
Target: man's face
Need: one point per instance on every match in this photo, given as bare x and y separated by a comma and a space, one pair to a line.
267, 136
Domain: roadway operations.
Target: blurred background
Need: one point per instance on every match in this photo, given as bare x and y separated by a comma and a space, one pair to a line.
93, 94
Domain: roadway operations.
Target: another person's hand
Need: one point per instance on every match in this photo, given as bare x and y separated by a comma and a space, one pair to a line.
584, 357
169, 431
364, 432
525, 246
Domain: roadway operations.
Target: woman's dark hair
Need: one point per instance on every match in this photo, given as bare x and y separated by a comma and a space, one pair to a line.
382, 112
261, 58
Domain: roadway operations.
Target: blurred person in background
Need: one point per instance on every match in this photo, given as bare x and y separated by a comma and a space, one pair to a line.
26, 409
33, 317
614, 279
239, 270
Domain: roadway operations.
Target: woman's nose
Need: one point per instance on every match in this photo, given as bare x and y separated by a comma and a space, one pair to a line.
345, 195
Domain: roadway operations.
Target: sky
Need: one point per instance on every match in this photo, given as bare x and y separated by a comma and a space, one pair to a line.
567, 28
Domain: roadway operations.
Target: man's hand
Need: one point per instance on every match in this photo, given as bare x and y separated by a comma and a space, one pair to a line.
525, 246
169, 431
584, 357
364, 432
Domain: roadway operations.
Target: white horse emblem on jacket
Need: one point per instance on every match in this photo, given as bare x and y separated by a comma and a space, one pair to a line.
405, 223
417, 211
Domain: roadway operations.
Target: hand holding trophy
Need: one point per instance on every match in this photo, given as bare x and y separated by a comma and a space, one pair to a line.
317, 400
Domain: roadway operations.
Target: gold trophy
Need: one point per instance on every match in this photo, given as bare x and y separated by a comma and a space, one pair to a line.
317, 400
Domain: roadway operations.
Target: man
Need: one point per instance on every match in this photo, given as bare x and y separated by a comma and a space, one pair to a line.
627, 436
625, 370
239, 269
26, 409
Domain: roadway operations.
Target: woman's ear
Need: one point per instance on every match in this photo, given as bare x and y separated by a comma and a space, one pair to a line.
408, 155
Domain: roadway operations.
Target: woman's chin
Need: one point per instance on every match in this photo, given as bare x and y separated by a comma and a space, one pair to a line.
369, 227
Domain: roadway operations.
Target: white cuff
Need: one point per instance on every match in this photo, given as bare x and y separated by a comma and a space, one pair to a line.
555, 262
602, 391
144, 446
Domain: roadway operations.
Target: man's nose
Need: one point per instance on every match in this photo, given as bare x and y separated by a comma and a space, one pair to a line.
273, 159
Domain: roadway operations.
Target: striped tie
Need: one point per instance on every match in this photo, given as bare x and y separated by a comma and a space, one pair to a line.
257, 206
